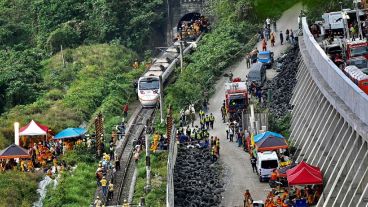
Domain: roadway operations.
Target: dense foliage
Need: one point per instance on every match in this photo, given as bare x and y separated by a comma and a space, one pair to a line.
94, 78
75, 188
15, 188
217, 50
30, 31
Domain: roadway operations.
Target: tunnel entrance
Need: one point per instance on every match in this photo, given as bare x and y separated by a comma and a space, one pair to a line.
188, 18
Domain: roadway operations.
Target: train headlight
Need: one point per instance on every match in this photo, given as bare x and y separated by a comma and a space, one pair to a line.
142, 92
155, 91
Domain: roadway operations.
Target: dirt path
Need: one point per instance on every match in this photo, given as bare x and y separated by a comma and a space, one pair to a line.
238, 172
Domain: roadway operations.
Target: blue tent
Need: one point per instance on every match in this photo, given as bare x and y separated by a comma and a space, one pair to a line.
70, 133
260, 136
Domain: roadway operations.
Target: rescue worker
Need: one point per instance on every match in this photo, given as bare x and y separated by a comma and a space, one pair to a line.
218, 146
212, 120
264, 45
212, 141
111, 191
253, 162
188, 132
247, 199
201, 114
98, 202
247, 58
195, 132
273, 177
207, 121
223, 113
213, 155
285, 194
202, 122
103, 182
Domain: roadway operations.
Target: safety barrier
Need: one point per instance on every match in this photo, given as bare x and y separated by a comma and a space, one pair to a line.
354, 98
173, 149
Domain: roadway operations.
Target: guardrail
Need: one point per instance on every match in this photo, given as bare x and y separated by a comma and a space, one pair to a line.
170, 169
355, 99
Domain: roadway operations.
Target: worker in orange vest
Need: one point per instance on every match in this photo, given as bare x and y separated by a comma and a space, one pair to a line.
285, 195
279, 201
273, 176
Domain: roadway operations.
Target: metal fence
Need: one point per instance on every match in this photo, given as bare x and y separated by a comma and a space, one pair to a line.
173, 149
354, 98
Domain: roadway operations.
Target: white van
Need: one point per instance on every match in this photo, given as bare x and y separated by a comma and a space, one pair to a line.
266, 162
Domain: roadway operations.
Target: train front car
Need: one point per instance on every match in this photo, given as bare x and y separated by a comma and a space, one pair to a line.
149, 91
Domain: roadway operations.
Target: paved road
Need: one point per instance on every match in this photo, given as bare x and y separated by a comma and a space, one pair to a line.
238, 173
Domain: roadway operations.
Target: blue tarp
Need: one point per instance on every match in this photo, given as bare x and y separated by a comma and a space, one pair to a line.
70, 133
260, 136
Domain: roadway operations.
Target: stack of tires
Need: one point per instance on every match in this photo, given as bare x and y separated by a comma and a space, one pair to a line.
283, 84
197, 181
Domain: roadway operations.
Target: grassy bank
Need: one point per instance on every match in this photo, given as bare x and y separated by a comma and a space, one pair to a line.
18, 188
75, 188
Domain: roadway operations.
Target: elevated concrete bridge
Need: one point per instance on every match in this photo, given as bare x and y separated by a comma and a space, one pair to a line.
329, 126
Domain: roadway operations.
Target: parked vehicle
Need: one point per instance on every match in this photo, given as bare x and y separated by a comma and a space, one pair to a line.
257, 74
265, 57
266, 162
236, 97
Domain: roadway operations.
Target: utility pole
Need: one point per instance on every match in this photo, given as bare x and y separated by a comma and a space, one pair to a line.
181, 55
148, 161
161, 99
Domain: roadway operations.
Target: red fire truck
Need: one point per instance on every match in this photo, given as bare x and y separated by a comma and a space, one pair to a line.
236, 96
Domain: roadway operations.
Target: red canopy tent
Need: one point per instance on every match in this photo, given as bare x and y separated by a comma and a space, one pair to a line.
14, 151
33, 129
312, 169
304, 177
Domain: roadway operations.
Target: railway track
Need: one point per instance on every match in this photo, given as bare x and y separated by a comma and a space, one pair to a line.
123, 177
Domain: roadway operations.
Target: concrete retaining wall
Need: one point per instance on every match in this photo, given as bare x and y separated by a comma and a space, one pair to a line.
329, 126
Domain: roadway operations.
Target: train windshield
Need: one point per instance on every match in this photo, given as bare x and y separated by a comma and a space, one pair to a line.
358, 51
360, 63
149, 84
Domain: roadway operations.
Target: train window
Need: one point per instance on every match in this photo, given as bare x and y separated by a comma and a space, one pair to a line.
149, 84
358, 51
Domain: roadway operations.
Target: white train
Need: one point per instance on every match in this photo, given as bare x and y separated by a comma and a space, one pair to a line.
148, 87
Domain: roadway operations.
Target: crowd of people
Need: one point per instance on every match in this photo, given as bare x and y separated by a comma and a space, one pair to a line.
200, 136
308, 195
192, 29
45, 155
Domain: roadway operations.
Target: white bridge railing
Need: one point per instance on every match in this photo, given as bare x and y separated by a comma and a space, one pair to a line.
354, 98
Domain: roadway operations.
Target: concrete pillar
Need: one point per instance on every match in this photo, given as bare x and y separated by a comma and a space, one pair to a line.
363, 200
300, 77
344, 177
349, 194
354, 168
300, 112
309, 123
299, 98
317, 120
324, 162
342, 150
308, 102
361, 185
327, 135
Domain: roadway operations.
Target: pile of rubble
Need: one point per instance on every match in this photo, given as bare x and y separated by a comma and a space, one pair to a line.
283, 84
197, 181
